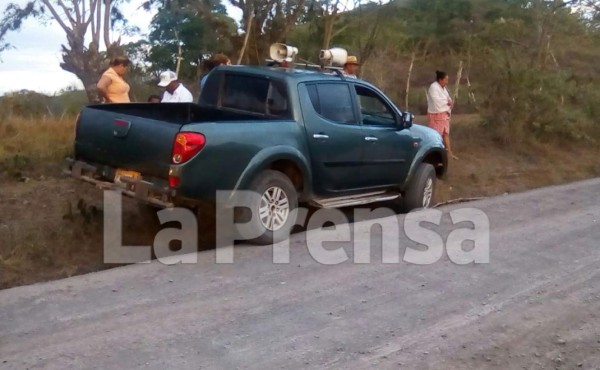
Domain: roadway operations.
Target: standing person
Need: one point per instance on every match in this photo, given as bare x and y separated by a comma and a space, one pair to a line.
112, 86
175, 92
439, 107
351, 67
212, 63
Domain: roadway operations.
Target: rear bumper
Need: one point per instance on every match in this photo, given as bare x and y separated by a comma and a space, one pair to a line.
141, 190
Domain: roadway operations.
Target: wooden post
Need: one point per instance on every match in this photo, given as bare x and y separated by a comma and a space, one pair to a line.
179, 52
178, 59
248, 30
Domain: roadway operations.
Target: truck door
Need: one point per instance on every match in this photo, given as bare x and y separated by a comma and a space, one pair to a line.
389, 150
334, 135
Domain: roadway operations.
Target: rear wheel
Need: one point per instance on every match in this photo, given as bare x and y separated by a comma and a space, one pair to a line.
421, 189
273, 208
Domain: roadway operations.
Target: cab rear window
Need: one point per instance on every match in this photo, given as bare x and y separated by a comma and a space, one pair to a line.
255, 95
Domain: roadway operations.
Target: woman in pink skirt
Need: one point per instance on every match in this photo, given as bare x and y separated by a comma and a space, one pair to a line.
439, 106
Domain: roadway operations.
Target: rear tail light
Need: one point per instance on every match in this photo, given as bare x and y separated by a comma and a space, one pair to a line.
174, 181
187, 145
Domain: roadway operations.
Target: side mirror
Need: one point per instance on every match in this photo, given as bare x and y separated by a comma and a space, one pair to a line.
406, 120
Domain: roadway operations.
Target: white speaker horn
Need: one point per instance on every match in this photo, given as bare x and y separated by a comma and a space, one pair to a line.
335, 57
282, 52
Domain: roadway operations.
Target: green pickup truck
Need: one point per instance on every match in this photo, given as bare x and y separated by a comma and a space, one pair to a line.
292, 136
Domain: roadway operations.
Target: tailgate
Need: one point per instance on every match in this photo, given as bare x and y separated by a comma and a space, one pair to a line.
126, 142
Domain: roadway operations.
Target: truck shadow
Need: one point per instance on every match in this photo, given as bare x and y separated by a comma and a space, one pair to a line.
141, 225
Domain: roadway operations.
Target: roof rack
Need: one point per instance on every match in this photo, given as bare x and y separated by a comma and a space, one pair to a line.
310, 66
285, 55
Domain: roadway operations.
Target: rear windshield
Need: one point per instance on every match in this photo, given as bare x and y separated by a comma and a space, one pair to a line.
249, 94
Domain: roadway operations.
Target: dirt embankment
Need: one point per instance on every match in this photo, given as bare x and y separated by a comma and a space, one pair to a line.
51, 226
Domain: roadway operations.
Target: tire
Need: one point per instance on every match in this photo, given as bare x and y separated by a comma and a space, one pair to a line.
420, 192
278, 200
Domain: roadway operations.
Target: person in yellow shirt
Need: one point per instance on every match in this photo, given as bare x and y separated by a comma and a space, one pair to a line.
112, 87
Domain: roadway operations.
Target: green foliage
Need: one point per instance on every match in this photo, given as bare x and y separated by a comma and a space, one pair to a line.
13, 17
537, 79
197, 31
530, 64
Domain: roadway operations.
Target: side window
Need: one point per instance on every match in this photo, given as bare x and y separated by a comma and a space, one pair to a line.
210, 93
256, 95
277, 101
332, 101
373, 109
314, 97
245, 93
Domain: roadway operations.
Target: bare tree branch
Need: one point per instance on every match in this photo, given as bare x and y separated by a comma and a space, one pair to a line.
91, 16
107, 23
57, 17
77, 10
67, 13
96, 32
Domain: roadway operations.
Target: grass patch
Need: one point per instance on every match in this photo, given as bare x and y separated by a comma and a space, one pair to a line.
28, 144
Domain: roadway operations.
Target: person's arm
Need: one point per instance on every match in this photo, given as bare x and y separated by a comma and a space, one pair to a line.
448, 97
102, 86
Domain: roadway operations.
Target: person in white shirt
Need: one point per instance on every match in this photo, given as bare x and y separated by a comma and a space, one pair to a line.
439, 107
175, 92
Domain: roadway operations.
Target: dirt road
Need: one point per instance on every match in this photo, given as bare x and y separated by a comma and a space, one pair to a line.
535, 305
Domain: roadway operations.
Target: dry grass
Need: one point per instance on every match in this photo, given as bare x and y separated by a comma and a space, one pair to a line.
43, 139
43, 233
51, 227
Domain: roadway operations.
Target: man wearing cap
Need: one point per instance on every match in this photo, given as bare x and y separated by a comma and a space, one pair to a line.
175, 92
351, 67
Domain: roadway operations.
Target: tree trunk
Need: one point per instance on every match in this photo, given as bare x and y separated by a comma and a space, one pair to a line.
329, 23
410, 68
179, 52
329, 19
471, 93
88, 66
89, 80
248, 30
458, 78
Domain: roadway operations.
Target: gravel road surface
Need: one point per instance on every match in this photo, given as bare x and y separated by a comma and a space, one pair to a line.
536, 305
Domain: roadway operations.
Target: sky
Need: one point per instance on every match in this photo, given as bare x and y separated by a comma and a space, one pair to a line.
34, 62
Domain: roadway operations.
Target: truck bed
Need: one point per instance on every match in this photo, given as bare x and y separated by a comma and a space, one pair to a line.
140, 137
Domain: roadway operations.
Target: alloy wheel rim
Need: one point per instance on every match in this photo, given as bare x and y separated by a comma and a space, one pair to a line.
274, 208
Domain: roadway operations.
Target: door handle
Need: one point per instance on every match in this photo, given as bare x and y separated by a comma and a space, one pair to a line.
371, 138
320, 136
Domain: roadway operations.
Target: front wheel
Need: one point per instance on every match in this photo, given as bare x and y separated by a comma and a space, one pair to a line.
273, 209
421, 189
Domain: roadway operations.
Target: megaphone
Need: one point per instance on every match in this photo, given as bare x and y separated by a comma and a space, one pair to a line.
282, 52
333, 57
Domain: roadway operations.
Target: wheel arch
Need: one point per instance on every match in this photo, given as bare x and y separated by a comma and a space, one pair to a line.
288, 160
435, 156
